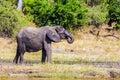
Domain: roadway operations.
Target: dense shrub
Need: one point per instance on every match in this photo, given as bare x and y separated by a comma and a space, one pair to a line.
97, 14
10, 19
114, 11
92, 3
68, 13
7, 19
71, 14
13, 2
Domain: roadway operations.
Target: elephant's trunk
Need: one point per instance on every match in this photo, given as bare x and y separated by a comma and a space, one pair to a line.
70, 39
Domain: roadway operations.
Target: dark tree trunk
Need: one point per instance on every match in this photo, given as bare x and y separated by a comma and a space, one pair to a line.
92, 3
19, 5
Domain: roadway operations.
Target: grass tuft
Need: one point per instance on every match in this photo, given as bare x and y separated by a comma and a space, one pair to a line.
87, 57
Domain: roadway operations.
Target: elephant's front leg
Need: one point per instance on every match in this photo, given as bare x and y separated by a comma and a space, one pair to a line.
49, 55
48, 52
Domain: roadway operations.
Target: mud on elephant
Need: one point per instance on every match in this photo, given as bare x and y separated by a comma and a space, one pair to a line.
31, 39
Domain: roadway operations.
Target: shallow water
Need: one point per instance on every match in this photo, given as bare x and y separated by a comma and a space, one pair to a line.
24, 78
19, 78
51, 78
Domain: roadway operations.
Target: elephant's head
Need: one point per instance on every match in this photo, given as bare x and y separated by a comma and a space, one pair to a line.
65, 34
57, 33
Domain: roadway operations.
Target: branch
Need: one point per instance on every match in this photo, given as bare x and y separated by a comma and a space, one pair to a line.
110, 35
106, 35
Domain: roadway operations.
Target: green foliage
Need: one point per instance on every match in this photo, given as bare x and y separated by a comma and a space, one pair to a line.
7, 19
68, 13
71, 14
10, 20
97, 14
21, 22
95, 2
114, 11
13, 1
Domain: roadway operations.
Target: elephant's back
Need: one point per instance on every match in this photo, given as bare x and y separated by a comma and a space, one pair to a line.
28, 32
29, 29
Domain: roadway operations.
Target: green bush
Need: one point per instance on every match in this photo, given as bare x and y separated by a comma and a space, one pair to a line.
13, 2
10, 19
68, 13
97, 14
114, 11
7, 19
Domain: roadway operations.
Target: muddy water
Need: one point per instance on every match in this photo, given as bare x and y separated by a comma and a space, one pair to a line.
29, 78
50, 78
25, 78
33, 78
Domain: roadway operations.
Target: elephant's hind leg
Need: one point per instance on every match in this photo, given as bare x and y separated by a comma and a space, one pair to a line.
21, 57
22, 51
17, 56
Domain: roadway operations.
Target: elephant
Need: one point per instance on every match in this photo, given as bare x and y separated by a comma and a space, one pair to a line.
32, 39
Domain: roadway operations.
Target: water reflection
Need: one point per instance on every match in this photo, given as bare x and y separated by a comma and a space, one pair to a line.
43, 78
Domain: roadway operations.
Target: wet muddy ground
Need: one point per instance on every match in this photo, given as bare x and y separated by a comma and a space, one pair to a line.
86, 59
27, 71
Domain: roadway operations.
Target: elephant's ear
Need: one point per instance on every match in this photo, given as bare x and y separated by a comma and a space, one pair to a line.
60, 29
53, 35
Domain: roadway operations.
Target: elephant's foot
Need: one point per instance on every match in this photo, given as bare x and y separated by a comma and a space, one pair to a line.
15, 61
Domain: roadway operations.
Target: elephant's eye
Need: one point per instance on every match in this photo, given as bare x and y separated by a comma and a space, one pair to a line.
63, 36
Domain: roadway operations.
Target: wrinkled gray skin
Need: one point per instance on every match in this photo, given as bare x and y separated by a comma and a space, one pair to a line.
31, 39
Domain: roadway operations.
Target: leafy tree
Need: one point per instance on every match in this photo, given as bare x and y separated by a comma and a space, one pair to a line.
114, 12
13, 3
68, 13
93, 3
10, 19
72, 13
97, 15
7, 19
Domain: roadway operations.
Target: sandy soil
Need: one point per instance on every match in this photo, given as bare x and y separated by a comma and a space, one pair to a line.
87, 51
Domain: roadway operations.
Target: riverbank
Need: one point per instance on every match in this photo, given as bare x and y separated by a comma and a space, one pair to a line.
88, 57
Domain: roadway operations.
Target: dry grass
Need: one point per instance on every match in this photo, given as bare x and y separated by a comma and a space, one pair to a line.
88, 57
